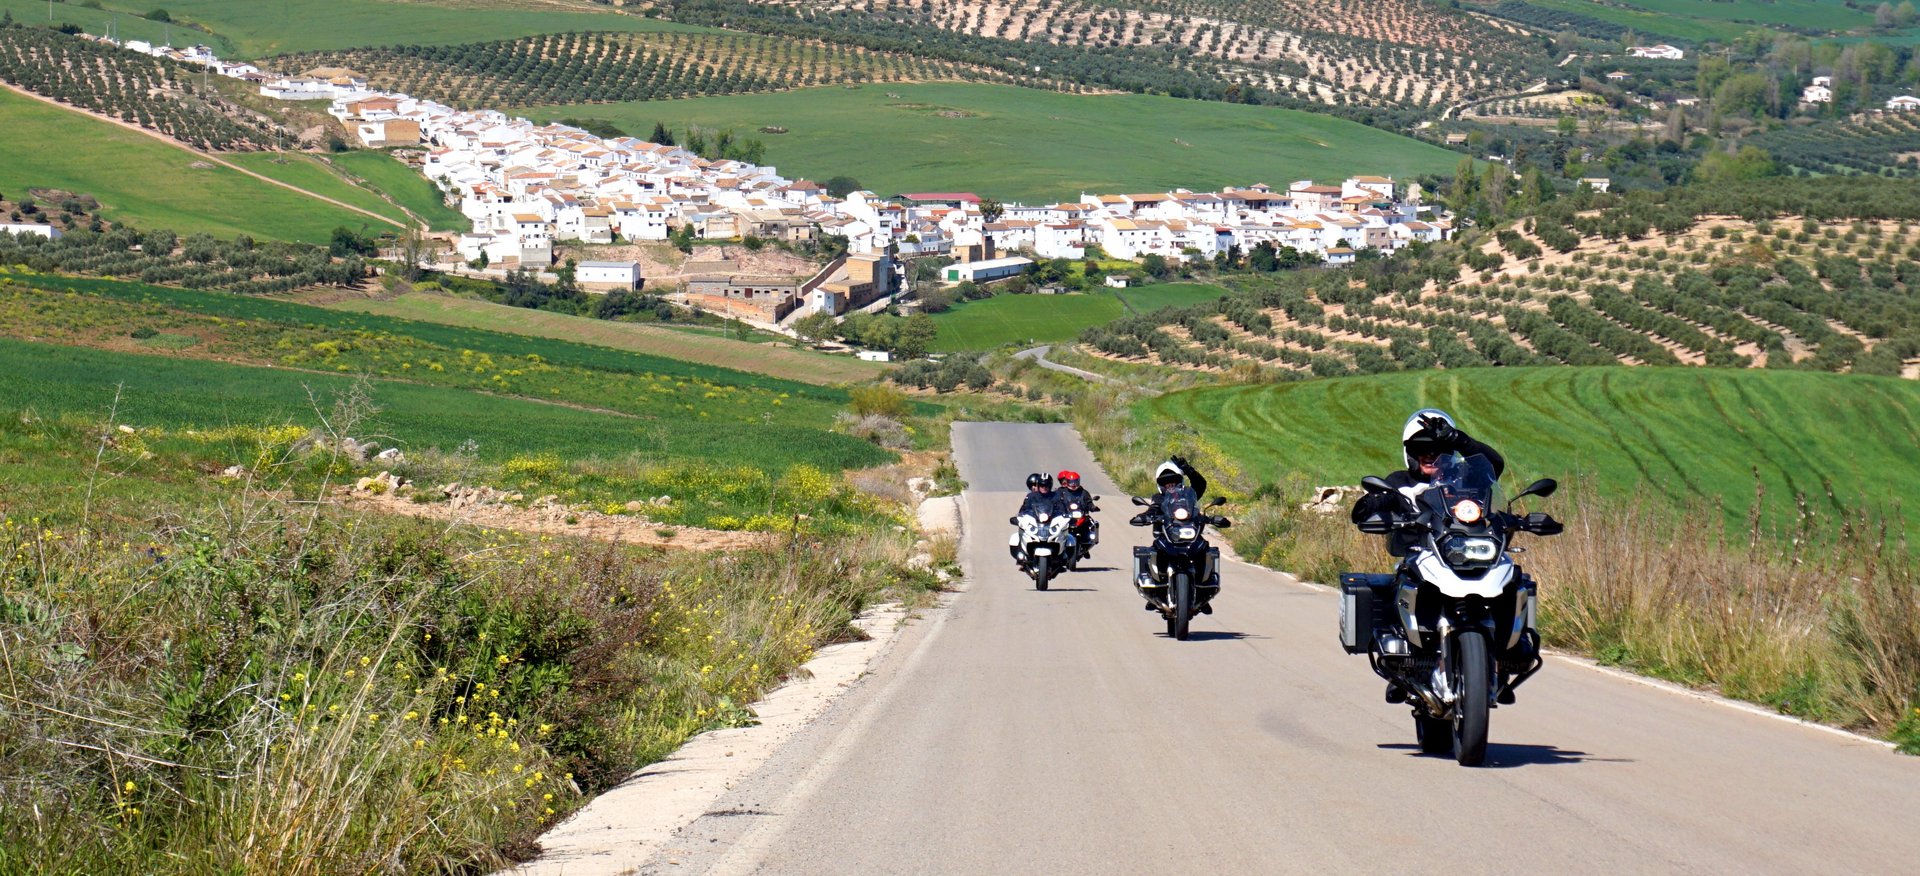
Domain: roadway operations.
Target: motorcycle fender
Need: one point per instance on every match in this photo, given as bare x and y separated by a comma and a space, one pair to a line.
1434, 571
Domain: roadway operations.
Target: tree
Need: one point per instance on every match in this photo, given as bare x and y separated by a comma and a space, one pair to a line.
1156, 265
991, 210
160, 15
661, 135
347, 242
816, 326
843, 185
915, 336
414, 253
1719, 168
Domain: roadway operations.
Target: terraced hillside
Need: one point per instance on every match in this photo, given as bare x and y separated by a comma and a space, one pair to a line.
573, 68
1378, 52
1600, 287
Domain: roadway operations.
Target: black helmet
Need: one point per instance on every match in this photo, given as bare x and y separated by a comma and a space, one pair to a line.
1040, 479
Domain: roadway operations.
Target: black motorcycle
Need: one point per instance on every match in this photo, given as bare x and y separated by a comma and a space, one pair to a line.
1180, 573
1452, 629
1086, 533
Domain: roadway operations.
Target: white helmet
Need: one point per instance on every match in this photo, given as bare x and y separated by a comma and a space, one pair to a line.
1414, 427
1168, 472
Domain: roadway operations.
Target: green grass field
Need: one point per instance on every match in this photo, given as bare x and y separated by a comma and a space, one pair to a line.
308, 172
405, 186
1709, 20
781, 361
258, 28
1022, 144
1021, 319
147, 183
1680, 434
1151, 297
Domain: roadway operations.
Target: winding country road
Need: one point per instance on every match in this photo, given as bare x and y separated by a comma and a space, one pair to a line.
1017, 731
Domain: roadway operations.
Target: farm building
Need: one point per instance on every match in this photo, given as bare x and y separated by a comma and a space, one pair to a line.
388, 132
1662, 51
991, 269
41, 230
607, 276
1119, 281
1904, 102
954, 200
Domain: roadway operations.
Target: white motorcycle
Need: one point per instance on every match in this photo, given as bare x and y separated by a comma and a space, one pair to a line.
1043, 544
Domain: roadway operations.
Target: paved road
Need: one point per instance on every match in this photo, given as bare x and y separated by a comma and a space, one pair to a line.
1061, 732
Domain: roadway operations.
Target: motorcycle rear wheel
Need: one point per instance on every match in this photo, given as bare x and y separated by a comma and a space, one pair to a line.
1475, 686
1182, 606
1040, 573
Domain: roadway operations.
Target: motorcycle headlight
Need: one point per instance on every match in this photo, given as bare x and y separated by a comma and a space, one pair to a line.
1079, 514
1186, 533
1468, 511
1181, 514
1462, 551
1043, 519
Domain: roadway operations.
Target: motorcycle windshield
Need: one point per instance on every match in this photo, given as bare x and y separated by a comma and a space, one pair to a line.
1464, 479
1183, 518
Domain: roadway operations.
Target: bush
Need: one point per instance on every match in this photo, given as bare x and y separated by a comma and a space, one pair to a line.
884, 401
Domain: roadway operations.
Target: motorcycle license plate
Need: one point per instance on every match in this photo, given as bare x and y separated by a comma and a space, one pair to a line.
1043, 552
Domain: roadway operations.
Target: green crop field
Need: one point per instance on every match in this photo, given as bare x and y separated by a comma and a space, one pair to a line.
1680, 434
307, 172
404, 186
1710, 20
1151, 297
1021, 144
147, 183
778, 361
258, 28
1020, 319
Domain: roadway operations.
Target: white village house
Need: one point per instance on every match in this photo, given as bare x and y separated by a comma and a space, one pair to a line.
1661, 51
607, 276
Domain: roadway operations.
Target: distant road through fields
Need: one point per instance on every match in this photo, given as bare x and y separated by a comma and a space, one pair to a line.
1060, 732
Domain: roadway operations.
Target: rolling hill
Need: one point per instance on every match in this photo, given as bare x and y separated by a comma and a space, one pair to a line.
1025, 144
1680, 435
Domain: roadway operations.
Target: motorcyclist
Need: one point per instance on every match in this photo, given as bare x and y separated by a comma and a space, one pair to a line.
1427, 436
1175, 479
1071, 493
1040, 499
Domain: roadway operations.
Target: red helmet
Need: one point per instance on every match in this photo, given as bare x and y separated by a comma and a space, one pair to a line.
1069, 479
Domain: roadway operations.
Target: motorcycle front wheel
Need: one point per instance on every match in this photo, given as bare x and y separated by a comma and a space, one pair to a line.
1182, 606
1040, 573
1472, 672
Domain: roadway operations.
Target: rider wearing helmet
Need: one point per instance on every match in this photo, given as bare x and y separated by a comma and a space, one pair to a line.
1071, 491
1040, 499
1173, 478
1427, 436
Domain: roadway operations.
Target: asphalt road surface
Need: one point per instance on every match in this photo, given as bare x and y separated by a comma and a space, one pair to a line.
1061, 732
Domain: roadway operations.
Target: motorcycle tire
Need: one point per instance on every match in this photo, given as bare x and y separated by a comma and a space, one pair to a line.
1435, 735
1182, 605
1073, 562
1474, 666
1040, 573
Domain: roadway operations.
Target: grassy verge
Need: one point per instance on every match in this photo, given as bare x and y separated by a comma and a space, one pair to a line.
149, 184
658, 340
1817, 615
230, 684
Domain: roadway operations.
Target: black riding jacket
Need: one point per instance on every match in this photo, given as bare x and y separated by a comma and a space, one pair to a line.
1035, 503
1080, 495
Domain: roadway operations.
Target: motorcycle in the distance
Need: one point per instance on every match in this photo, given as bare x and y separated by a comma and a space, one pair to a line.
1045, 545
1179, 574
1085, 531
1452, 628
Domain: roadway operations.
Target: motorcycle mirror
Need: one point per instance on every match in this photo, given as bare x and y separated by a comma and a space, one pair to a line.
1374, 484
1217, 502
1543, 488
1141, 502
1014, 520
